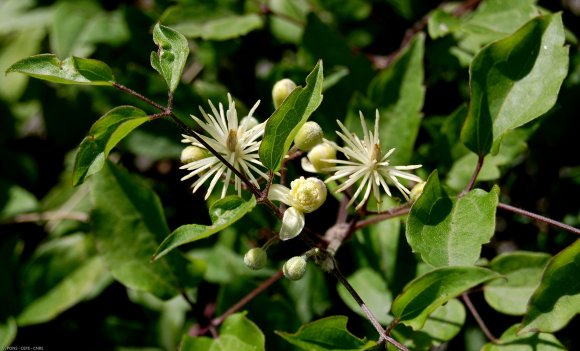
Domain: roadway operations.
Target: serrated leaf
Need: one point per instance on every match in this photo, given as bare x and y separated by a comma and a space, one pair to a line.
223, 213
228, 27
325, 334
514, 81
72, 70
67, 293
8, 330
129, 224
285, 122
510, 341
236, 333
171, 55
425, 294
449, 231
105, 134
521, 272
374, 292
557, 300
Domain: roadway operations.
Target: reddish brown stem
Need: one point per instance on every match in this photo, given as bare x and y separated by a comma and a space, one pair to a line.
477, 318
257, 291
473, 176
540, 218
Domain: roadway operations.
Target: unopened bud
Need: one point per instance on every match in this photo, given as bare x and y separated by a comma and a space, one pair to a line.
417, 191
281, 90
307, 195
295, 268
320, 152
193, 153
255, 258
249, 122
309, 135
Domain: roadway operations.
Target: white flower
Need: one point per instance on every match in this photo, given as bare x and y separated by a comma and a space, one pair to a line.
366, 162
305, 196
237, 142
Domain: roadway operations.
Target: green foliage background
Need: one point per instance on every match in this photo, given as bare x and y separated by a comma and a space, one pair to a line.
61, 274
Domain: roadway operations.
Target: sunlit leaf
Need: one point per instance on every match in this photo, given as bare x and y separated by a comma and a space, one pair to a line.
236, 333
72, 70
129, 224
223, 213
285, 122
8, 330
557, 300
510, 341
449, 230
521, 272
514, 81
171, 55
107, 132
426, 293
325, 334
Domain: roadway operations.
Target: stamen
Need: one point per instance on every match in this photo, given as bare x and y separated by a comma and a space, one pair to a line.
232, 140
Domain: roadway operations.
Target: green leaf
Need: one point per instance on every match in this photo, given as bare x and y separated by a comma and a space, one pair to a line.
8, 330
67, 293
170, 58
325, 334
285, 122
446, 322
15, 200
374, 292
514, 81
425, 294
105, 134
522, 272
223, 213
449, 231
399, 92
224, 28
72, 70
129, 225
557, 299
310, 295
510, 341
68, 26
236, 333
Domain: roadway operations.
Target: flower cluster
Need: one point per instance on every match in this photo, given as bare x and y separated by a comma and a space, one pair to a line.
236, 141
366, 162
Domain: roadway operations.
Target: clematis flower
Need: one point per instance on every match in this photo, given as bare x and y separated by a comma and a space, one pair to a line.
365, 162
236, 141
304, 196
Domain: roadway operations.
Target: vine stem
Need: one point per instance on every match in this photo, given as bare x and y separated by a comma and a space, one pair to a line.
47, 216
249, 297
394, 212
478, 318
538, 217
371, 317
471, 182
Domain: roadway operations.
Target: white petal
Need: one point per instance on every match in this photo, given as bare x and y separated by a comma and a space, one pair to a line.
292, 224
280, 193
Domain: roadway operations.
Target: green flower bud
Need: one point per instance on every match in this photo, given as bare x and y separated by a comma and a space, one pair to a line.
281, 90
255, 258
295, 268
193, 153
322, 152
309, 135
417, 191
307, 195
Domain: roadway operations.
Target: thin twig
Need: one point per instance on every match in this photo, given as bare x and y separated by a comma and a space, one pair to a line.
392, 213
371, 317
540, 218
249, 297
478, 319
471, 182
47, 216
